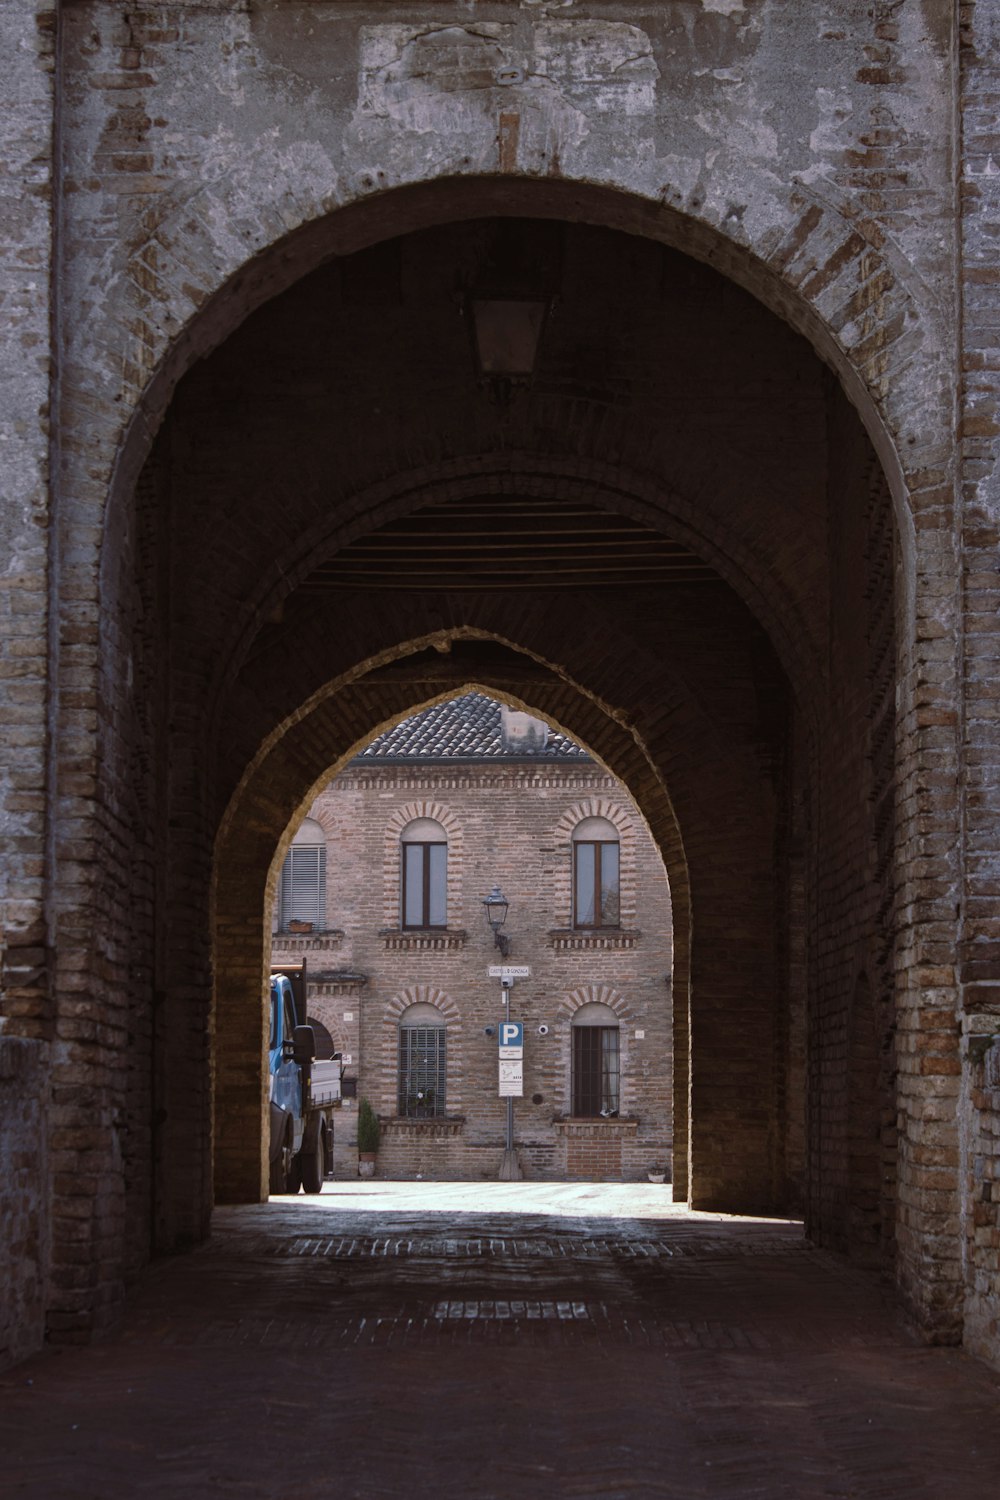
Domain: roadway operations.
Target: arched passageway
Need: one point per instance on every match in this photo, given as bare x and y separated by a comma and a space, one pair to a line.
674, 540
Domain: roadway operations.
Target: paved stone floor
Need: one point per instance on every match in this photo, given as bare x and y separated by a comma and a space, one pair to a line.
492, 1341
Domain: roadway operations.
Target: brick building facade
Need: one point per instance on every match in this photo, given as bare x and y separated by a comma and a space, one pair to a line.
722, 503
511, 804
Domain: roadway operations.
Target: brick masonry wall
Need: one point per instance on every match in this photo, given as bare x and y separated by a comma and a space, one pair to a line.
512, 824
27, 33
27, 129
982, 1193
852, 817
974, 1077
24, 1199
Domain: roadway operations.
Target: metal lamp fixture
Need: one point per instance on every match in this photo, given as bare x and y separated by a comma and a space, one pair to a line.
506, 333
495, 906
507, 301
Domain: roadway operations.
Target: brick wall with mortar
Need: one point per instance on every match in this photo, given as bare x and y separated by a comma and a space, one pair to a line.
508, 823
27, 33
24, 1202
978, 429
982, 1188
809, 152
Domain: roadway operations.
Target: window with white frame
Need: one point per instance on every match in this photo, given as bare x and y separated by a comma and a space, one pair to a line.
424, 874
596, 874
422, 1063
302, 895
596, 1062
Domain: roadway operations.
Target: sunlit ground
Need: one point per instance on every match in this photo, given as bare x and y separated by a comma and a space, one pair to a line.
583, 1200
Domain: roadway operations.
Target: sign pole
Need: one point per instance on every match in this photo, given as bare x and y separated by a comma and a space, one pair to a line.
510, 1100
511, 1063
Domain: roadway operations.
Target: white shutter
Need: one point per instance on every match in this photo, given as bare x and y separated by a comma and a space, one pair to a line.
303, 885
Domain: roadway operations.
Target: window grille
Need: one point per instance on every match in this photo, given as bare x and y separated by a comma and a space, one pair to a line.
596, 1072
421, 1071
303, 885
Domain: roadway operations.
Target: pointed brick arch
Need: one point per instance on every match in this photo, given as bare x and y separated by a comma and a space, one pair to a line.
295, 765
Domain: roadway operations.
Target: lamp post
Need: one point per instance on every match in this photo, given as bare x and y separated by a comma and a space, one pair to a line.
495, 905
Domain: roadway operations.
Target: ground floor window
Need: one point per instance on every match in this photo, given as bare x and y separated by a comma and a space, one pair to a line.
596, 1070
421, 1071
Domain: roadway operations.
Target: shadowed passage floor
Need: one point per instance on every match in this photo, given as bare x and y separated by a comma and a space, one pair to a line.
486, 1341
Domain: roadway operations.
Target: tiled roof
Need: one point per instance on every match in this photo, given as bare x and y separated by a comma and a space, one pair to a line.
466, 728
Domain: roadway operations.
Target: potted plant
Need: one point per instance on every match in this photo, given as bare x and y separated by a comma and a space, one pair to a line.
369, 1134
656, 1174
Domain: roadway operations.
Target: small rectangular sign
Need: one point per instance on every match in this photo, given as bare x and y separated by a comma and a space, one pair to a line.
511, 1078
509, 971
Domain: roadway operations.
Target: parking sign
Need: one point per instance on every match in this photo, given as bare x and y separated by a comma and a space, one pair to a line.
511, 1035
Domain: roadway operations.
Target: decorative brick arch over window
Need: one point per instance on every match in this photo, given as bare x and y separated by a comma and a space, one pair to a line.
412, 812
570, 1005
562, 884
425, 996
595, 994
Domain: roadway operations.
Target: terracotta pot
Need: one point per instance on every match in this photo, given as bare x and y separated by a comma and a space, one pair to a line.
366, 1163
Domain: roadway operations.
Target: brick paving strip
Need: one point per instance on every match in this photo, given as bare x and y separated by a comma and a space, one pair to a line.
313, 1351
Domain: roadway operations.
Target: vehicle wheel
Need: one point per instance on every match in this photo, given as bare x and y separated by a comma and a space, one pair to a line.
314, 1166
293, 1177
277, 1175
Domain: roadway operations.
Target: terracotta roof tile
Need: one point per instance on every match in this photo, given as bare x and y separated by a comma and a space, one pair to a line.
465, 728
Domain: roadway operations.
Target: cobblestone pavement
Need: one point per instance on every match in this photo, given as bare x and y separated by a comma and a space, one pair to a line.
366, 1347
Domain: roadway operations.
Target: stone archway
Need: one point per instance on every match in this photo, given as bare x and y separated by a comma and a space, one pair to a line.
236, 731
268, 653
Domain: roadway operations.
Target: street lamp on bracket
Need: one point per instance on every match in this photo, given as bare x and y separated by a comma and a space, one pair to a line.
495, 906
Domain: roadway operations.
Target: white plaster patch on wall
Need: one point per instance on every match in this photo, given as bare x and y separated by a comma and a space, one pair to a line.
683, 173
724, 7
608, 64
834, 108
235, 45
433, 79
759, 140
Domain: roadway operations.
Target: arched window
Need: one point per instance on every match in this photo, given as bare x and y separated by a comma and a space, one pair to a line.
322, 1037
596, 900
422, 1063
303, 878
596, 1061
424, 874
